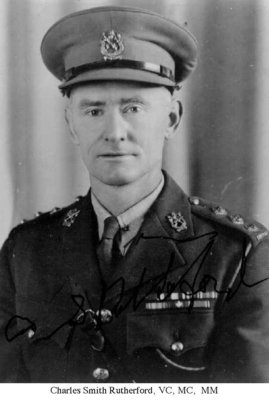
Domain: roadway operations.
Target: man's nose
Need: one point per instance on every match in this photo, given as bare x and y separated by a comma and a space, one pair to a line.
115, 128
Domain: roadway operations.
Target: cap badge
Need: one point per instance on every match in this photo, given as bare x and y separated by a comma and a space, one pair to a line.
111, 45
177, 221
70, 217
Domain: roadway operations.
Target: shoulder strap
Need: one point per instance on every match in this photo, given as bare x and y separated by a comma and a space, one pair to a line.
255, 231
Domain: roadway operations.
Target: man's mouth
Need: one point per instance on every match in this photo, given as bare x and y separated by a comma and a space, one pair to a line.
116, 155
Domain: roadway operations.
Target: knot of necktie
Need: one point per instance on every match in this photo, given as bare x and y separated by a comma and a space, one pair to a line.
111, 227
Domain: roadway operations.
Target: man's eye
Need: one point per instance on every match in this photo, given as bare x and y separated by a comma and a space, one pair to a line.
95, 112
133, 109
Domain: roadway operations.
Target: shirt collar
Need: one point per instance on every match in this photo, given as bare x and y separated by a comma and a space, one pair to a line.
134, 213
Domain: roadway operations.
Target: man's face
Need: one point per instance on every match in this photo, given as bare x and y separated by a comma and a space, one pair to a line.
120, 128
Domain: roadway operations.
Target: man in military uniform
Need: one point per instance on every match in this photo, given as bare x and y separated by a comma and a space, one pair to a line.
135, 282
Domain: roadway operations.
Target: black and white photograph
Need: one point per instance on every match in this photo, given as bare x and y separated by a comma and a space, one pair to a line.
134, 195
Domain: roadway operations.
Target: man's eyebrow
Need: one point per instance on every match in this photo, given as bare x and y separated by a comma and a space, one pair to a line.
83, 103
90, 103
138, 100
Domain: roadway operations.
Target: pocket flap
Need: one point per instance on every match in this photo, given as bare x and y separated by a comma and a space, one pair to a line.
178, 335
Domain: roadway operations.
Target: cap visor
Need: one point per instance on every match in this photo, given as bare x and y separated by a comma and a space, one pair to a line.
119, 74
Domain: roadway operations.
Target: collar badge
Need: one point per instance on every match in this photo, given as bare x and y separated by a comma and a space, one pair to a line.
111, 45
177, 221
70, 217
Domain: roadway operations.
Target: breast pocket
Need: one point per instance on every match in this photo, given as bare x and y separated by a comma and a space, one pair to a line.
179, 337
42, 330
51, 316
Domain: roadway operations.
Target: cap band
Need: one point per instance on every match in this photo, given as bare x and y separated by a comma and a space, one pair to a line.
140, 65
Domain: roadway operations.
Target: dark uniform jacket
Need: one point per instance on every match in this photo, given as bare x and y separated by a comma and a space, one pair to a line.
188, 303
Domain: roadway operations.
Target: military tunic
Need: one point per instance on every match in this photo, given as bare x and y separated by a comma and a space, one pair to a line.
188, 303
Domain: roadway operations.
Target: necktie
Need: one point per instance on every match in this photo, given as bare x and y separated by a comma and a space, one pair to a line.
108, 250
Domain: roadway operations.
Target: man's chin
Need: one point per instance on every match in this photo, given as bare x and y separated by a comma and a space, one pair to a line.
119, 179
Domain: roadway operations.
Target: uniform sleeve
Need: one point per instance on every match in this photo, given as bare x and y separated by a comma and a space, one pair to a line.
239, 347
11, 365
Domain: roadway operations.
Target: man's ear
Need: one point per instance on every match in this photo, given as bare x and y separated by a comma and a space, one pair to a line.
175, 115
69, 120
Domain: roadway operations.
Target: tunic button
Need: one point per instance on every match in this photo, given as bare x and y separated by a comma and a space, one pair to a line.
30, 333
195, 201
100, 374
105, 315
177, 347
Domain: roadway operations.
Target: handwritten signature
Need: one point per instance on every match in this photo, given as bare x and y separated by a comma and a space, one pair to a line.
157, 285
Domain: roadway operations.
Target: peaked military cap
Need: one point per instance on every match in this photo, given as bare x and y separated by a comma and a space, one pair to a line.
118, 43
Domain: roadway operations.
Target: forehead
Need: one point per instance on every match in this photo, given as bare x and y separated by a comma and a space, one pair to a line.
116, 91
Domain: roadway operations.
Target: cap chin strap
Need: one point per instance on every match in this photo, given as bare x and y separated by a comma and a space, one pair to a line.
140, 65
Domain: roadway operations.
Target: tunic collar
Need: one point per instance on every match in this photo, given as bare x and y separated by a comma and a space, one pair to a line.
130, 220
